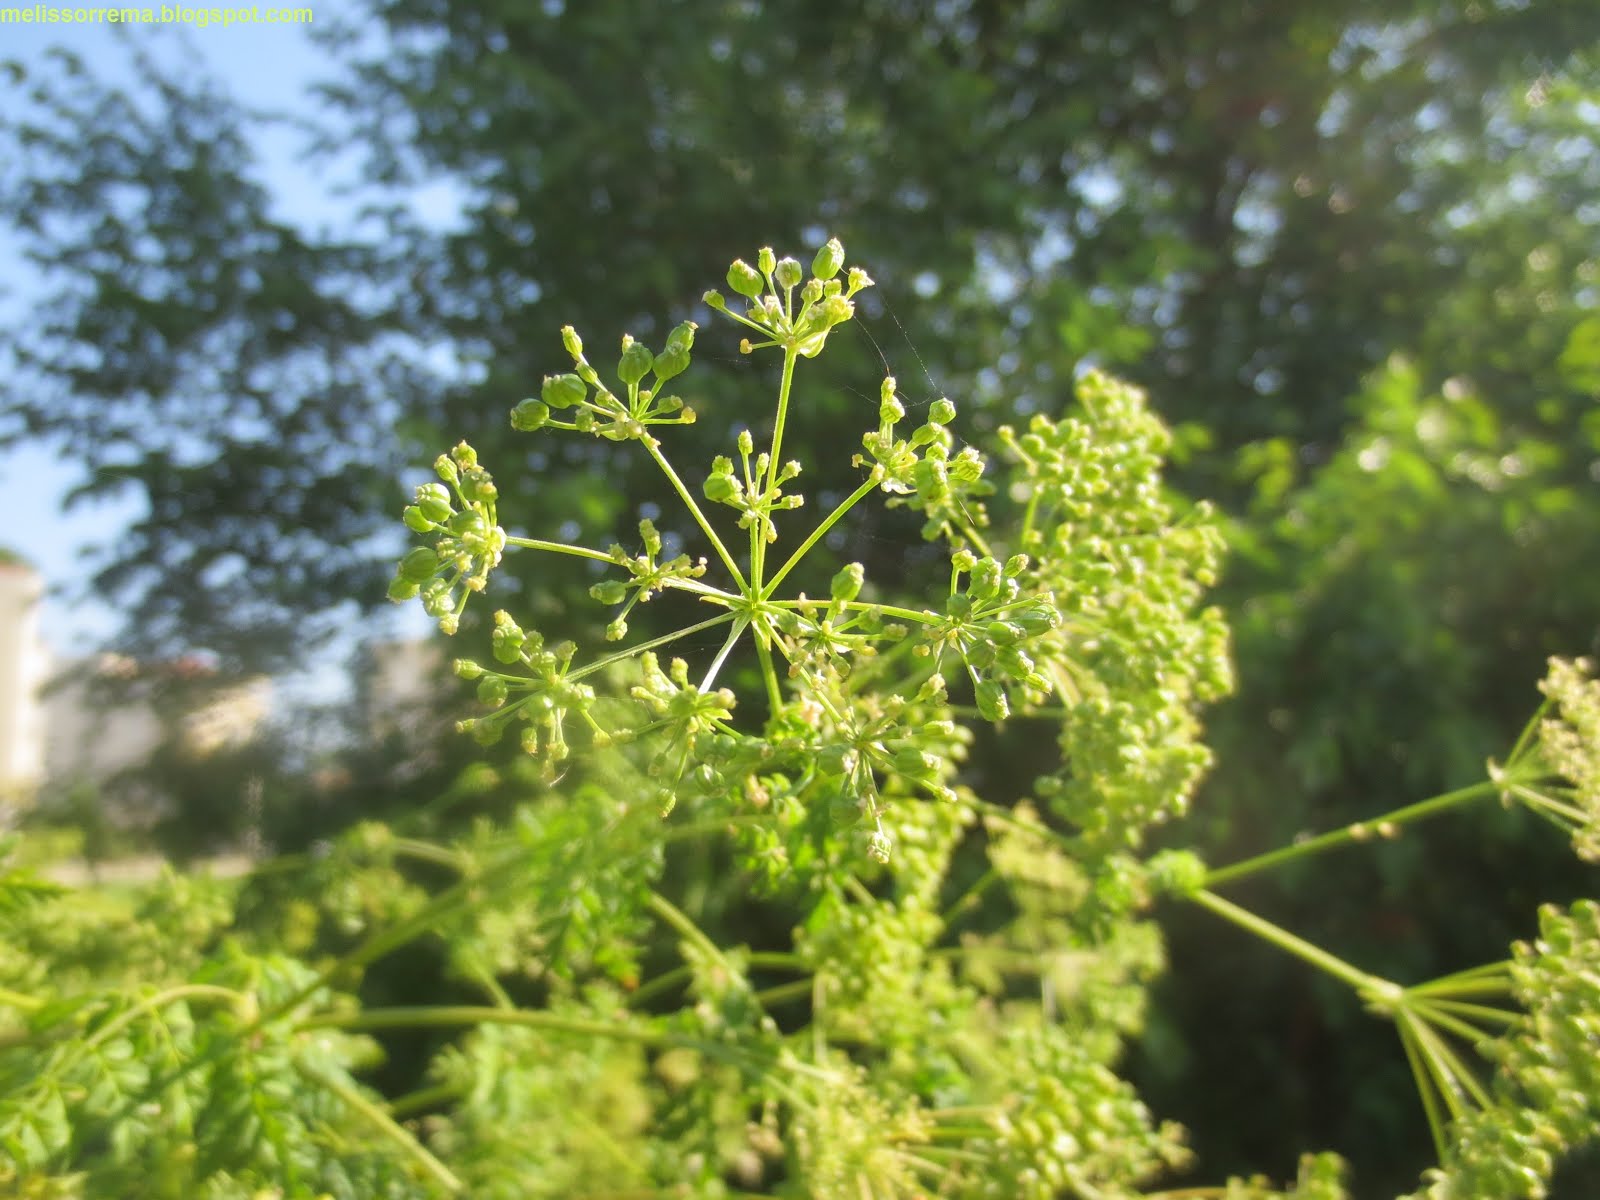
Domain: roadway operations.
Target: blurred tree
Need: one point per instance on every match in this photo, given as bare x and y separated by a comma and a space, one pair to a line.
1248, 207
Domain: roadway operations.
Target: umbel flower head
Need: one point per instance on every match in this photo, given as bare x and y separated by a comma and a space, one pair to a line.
459, 511
770, 287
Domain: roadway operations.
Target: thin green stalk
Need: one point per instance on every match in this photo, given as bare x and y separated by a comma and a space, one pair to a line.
783, 992
740, 624
1426, 1088
654, 449
559, 548
1464, 1084
777, 960
421, 851
1528, 731
1355, 832
817, 534
769, 676
1479, 1012
18, 1000
785, 386
382, 941
423, 1099
1490, 979
186, 991
921, 617
452, 1016
1368, 986
1436, 1014
665, 639
664, 982
384, 1124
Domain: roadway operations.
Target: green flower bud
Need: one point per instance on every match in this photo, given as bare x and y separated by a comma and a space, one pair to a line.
669, 364
812, 292
985, 579
1036, 619
478, 487
466, 457
963, 560
563, 391
507, 639
531, 414
616, 630
714, 300
609, 591
743, 279
992, 702
401, 589
1016, 565
419, 565
890, 409
636, 361
445, 469
766, 260
572, 342
941, 412
468, 524
788, 273
651, 536
858, 279
847, 583
681, 338
434, 501
416, 521
967, 467
828, 260
918, 764
465, 668
1177, 872
1005, 633
746, 443
492, 691
722, 489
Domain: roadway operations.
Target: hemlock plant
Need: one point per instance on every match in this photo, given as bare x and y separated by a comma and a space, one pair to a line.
906, 1041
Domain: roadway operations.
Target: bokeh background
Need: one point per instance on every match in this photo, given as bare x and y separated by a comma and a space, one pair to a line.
258, 277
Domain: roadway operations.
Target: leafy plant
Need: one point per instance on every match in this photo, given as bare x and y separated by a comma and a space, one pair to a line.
915, 1024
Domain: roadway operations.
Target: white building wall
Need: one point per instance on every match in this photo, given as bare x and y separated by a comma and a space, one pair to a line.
24, 667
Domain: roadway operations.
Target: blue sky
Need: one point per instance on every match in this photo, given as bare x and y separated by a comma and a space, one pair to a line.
265, 66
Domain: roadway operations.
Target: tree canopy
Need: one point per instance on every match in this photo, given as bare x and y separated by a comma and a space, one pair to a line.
1349, 248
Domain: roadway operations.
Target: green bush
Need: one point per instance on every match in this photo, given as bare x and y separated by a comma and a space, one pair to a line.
944, 982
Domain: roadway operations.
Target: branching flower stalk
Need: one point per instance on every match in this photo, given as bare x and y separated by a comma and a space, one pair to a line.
932, 1042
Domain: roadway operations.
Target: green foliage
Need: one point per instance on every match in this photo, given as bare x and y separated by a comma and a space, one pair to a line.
901, 1027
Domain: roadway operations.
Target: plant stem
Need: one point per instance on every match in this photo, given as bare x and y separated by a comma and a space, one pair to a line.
654, 449
661, 983
769, 675
559, 548
187, 991
421, 851
18, 1000
1355, 832
785, 385
423, 1099
818, 534
1366, 985
450, 1016
385, 1124
687, 929
666, 639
